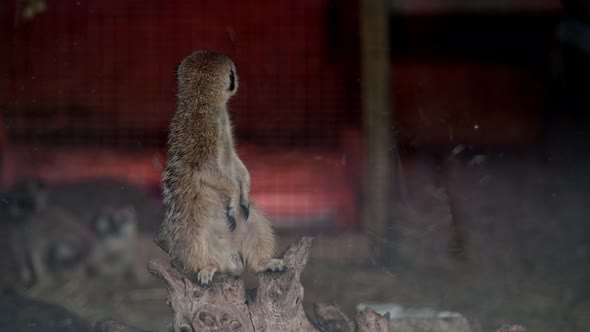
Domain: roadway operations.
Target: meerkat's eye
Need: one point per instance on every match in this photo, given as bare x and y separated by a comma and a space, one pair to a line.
176, 70
232, 80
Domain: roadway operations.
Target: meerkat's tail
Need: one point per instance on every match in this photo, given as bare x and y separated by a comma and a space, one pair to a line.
161, 241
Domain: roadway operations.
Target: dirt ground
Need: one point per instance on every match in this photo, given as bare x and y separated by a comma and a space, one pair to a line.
527, 231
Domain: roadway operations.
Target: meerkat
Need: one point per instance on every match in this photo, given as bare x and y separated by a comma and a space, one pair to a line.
24, 199
46, 243
57, 247
116, 230
18, 204
210, 225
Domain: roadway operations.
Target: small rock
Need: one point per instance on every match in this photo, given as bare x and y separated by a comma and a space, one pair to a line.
421, 320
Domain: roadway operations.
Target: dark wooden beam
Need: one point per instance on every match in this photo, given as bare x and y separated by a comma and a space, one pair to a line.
377, 125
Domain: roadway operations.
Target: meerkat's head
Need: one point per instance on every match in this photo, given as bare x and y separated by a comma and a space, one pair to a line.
207, 77
27, 197
116, 222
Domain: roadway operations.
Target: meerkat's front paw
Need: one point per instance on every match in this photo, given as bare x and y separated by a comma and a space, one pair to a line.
274, 265
231, 217
245, 209
206, 275
244, 202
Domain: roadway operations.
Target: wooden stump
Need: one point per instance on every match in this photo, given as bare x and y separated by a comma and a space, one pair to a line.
275, 305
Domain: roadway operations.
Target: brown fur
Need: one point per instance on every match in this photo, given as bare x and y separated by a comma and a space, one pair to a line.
205, 182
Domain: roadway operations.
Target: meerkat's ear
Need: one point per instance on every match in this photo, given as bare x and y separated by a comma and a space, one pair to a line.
232, 81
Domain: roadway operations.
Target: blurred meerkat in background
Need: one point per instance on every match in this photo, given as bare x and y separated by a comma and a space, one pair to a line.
18, 204
44, 243
47, 245
24, 199
114, 252
56, 246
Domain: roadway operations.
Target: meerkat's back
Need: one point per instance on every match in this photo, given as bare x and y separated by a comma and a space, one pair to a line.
198, 194
205, 184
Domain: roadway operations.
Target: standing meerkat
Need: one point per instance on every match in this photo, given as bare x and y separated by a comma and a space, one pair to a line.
210, 225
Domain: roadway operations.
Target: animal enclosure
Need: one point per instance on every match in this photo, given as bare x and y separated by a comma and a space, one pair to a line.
450, 135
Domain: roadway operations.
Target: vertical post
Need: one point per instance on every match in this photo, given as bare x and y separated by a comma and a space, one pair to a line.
377, 127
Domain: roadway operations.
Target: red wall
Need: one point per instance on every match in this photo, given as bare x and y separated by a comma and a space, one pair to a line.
106, 63
86, 65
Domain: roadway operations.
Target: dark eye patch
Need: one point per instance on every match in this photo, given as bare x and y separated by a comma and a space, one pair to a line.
232, 80
176, 70
106, 226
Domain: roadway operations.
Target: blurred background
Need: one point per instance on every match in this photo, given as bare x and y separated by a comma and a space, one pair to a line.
437, 150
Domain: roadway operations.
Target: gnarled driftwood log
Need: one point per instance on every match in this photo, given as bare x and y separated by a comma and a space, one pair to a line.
275, 305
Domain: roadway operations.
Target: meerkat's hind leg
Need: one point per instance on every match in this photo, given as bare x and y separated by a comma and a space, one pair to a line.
205, 275
273, 265
258, 244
